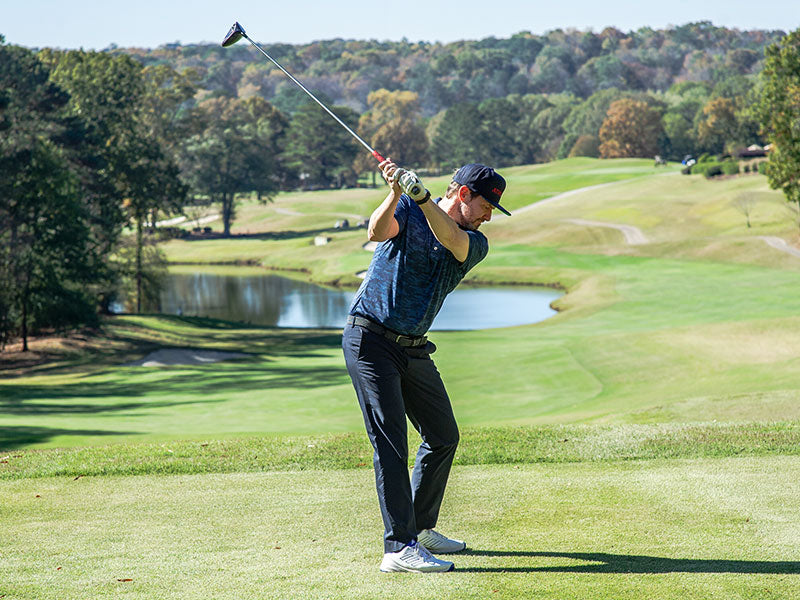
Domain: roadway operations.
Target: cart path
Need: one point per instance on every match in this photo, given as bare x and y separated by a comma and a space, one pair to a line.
780, 244
633, 235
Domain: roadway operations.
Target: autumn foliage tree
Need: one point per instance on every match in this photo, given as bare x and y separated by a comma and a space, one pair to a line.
631, 129
394, 127
717, 125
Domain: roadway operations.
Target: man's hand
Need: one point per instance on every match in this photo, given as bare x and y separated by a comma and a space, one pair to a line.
391, 173
412, 186
403, 181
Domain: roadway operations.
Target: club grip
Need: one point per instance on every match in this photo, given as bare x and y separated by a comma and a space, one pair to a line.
377, 156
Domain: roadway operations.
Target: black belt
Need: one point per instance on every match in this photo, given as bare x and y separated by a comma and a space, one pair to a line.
402, 340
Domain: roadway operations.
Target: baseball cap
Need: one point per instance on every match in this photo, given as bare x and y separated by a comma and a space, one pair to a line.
484, 181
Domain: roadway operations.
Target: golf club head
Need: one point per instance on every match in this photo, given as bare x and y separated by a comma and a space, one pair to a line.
234, 35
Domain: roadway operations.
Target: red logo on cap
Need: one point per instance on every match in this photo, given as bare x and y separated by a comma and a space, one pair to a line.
498, 192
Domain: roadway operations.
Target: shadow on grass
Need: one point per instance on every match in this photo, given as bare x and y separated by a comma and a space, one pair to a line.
12, 438
124, 340
289, 234
198, 382
628, 563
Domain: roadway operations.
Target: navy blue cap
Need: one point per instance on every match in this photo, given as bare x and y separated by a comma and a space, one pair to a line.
484, 181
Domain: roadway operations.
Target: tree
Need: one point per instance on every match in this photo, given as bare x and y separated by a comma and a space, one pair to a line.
97, 104
587, 117
779, 111
48, 262
549, 125
552, 70
393, 125
586, 145
500, 118
744, 203
456, 142
528, 141
46, 242
717, 125
631, 129
132, 114
605, 72
230, 154
680, 137
235, 149
165, 103
320, 149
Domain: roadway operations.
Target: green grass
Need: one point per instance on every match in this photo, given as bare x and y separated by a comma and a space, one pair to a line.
643, 443
702, 528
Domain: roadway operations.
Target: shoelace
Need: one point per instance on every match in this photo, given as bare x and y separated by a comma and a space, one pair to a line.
423, 552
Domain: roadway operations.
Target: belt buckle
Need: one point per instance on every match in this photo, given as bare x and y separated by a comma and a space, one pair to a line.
397, 338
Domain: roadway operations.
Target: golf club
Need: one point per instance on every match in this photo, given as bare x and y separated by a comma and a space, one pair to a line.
409, 181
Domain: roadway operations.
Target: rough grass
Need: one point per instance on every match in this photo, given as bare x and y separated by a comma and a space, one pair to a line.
479, 446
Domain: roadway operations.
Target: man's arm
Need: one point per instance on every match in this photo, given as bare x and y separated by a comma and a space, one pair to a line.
382, 224
449, 234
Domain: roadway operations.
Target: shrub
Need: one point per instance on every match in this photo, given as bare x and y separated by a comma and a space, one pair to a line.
586, 145
730, 167
168, 233
713, 170
762, 167
705, 157
701, 168
746, 168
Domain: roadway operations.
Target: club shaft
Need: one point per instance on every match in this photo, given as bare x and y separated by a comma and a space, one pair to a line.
377, 156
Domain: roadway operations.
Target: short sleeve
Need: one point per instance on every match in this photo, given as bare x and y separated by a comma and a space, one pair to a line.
401, 211
478, 249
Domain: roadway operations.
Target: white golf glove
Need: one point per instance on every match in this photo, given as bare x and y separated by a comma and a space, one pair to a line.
411, 185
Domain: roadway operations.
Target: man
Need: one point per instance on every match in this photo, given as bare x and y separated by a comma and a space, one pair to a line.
427, 247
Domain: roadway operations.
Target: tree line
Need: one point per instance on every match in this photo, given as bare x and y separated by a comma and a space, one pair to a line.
95, 145
568, 61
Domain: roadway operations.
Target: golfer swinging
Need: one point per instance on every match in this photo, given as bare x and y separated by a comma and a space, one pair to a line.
427, 248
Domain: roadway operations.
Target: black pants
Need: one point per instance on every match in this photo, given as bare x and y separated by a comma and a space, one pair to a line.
392, 382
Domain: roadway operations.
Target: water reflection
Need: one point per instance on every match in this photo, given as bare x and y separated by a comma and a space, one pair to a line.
278, 301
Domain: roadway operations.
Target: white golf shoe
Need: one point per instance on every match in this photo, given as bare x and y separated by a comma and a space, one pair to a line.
438, 544
414, 558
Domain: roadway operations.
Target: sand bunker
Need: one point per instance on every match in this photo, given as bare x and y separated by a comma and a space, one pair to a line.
183, 356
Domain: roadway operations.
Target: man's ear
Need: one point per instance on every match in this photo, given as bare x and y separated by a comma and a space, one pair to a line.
464, 194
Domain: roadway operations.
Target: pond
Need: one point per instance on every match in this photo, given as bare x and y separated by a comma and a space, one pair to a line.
278, 301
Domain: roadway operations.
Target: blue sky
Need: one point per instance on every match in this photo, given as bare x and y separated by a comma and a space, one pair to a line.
95, 24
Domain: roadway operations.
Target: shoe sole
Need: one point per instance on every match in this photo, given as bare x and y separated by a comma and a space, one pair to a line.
402, 570
452, 568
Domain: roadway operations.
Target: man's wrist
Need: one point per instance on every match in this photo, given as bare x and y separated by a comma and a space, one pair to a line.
424, 200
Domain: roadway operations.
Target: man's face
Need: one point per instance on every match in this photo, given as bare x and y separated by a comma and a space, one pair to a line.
474, 209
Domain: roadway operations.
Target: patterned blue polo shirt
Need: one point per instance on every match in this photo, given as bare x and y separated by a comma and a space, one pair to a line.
411, 274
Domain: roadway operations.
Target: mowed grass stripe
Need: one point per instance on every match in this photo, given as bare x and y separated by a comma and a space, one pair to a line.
479, 446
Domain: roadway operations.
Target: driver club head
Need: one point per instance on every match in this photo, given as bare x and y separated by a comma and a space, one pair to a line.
234, 35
